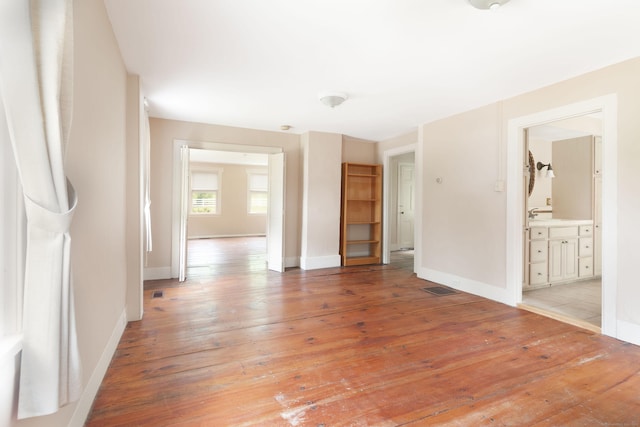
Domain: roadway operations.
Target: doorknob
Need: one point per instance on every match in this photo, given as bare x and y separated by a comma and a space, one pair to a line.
402, 212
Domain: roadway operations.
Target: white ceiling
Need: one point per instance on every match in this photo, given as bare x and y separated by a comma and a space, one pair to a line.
261, 64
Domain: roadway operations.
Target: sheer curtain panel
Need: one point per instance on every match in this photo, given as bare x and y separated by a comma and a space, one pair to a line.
36, 47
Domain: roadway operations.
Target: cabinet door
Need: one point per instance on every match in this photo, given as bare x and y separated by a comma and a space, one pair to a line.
586, 246
538, 274
563, 260
555, 260
538, 251
570, 259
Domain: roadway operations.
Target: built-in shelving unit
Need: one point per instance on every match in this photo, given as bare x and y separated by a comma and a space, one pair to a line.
361, 216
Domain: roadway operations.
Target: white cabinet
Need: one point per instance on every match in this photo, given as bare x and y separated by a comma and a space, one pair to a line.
559, 252
585, 252
538, 254
563, 259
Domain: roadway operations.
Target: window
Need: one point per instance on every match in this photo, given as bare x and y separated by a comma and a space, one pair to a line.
257, 192
205, 192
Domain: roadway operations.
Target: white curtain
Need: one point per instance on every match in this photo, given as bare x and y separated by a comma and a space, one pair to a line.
146, 144
36, 67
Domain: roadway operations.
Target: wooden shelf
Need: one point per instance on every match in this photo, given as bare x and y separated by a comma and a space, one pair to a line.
360, 219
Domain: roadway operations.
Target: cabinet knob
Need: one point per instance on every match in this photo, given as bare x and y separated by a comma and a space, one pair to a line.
587, 246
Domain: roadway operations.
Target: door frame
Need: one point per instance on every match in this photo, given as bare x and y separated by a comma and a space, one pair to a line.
386, 183
608, 105
177, 185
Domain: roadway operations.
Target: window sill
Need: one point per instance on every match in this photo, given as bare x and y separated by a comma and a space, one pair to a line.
10, 345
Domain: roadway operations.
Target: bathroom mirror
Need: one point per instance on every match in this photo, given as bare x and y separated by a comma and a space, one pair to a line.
532, 173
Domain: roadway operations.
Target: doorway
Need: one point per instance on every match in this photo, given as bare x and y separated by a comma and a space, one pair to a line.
516, 224
182, 199
399, 228
563, 222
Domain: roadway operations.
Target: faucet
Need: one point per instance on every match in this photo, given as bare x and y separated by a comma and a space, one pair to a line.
532, 213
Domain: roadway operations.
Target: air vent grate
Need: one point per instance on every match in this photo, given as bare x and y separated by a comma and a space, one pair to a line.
157, 294
439, 291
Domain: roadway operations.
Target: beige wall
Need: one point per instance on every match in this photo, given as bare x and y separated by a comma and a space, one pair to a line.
96, 164
164, 132
397, 142
322, 175
356, 150
464, 219
234, 219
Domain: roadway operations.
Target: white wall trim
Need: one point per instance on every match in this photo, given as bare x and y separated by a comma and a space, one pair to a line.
629, 332
83, 407
386, 183
220, 236
157, 273
463, 284
314, 263
608, 105
177, 166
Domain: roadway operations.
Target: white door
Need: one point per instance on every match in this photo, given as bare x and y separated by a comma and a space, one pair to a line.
185, 202
405, 204
275, 213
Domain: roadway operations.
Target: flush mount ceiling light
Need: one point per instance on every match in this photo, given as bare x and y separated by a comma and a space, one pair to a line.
332, 99
487, 4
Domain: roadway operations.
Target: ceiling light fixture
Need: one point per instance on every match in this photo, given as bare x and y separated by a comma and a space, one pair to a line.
487, 4
550, 173
332, 99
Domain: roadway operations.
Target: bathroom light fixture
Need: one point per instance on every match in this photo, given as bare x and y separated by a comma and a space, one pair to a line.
332, 99
487, 4
550, 173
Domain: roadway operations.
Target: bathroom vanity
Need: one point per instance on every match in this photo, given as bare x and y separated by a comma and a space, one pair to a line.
559, 251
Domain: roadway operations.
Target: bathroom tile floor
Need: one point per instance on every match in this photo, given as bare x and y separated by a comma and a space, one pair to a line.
581, 300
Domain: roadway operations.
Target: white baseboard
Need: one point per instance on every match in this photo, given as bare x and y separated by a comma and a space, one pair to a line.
467, 285
314, 263
157, 273
83, 407
627, 331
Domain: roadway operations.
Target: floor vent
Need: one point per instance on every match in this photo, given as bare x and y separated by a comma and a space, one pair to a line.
439, 291
157, 294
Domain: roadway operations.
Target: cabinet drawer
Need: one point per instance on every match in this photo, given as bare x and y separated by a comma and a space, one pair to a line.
586, 230
563, 232
585, 267
538, 233
538, 250
586, 246
538, 273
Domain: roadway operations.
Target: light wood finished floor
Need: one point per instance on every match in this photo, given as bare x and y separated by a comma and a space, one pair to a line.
357, 346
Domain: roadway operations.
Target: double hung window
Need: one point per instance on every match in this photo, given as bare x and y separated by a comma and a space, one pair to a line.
205, 192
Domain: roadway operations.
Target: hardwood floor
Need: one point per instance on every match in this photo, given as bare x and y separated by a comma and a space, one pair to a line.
355, 346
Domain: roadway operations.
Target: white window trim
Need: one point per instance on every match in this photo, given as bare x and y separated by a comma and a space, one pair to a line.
212, 170
250, 172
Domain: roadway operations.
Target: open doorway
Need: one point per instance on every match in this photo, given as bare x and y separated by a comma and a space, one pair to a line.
516, 225
210, 157
562, 244
227, 219
400, 206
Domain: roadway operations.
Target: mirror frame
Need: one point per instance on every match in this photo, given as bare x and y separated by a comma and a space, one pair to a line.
532, 173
